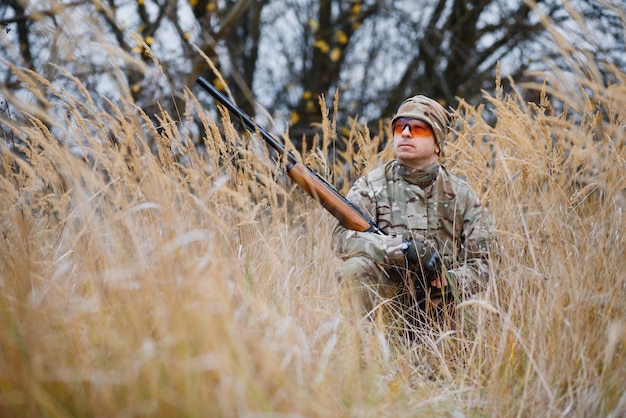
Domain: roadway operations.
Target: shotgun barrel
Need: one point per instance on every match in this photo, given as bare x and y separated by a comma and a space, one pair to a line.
348, 215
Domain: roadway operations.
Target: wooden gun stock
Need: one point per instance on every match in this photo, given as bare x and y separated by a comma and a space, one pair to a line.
348, 215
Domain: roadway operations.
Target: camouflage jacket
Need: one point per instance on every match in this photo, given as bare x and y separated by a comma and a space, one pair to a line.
439, 209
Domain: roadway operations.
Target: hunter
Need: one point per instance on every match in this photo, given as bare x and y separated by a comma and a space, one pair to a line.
437, 244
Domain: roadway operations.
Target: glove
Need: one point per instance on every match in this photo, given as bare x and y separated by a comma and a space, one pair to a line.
425, 261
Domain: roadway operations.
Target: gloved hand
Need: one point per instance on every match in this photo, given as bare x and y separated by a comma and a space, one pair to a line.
424, 260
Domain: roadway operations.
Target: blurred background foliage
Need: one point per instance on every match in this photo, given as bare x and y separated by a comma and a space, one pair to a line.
278, 57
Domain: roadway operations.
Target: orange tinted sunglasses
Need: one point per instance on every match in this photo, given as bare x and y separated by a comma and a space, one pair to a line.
416, 127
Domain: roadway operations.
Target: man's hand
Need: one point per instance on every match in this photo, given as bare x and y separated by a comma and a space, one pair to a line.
425, 261
440, 282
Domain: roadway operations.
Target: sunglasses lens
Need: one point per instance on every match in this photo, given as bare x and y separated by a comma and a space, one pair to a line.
398, 127
416, 127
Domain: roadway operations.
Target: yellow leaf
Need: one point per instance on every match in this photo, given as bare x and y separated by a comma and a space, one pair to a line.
335, 54
149, 40
306, 95
211, 6
321, 45
140, 2
294, 118
218, 84
193, 3
341, 36
135, 88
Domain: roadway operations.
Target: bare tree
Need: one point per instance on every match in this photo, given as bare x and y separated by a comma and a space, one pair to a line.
285, 54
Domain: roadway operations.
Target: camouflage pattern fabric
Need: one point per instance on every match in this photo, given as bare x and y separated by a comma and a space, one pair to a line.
431, 205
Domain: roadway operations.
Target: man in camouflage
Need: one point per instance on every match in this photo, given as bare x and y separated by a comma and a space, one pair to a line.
436, 247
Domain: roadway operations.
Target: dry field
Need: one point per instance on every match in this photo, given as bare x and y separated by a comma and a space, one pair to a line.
143, 276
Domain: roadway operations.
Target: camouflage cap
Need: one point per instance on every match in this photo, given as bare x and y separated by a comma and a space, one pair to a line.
428, 110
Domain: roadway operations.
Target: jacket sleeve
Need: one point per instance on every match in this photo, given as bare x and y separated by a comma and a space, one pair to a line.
471, 269
382, 249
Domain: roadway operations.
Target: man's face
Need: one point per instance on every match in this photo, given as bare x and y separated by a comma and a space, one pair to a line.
414, 143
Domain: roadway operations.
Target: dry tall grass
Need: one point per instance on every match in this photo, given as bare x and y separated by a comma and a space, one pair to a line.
186, 282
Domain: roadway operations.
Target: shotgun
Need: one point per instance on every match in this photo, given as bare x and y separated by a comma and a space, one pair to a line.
348, 215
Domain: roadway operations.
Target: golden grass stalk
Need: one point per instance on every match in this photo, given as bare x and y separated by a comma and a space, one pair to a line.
191, 279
